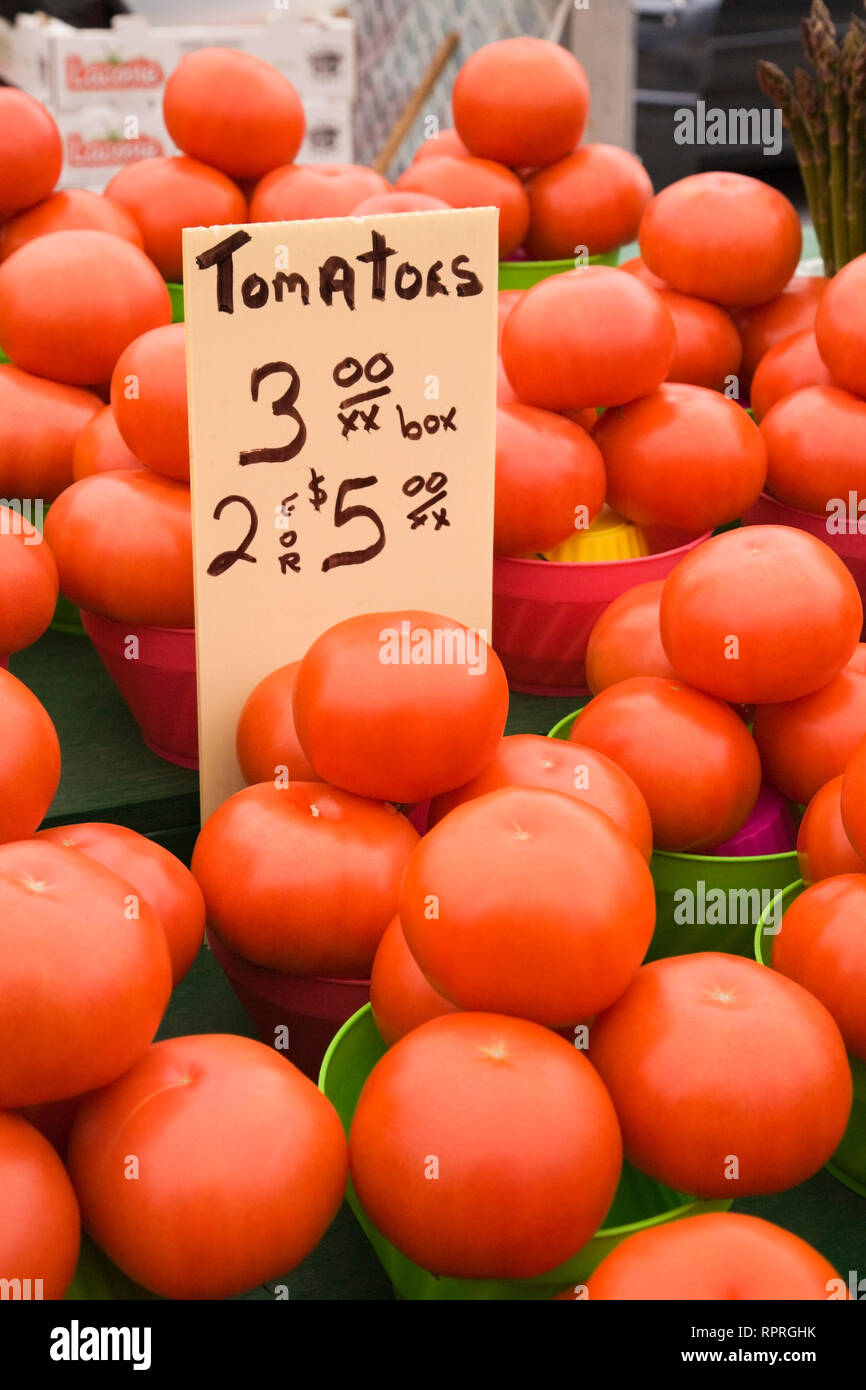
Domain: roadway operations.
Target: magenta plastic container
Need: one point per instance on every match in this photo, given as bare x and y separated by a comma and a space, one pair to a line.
312, 1009
770, 829
544, 611
849, 544
158, 685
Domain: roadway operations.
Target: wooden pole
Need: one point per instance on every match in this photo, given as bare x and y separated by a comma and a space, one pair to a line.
407, 116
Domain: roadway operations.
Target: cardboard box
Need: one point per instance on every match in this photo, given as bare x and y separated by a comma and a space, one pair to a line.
318, 56
29, 65
100, 140
329, 136
129, 61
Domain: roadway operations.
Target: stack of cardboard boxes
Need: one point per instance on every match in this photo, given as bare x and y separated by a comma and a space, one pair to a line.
104, 86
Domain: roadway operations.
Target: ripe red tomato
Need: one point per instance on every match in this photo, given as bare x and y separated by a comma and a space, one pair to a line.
266, 737
29, 762
528, 760
721, 1255
443, 142
474, 183
166, 194
148, 397
793, 363
400, 706
40, 422
626, 640
690, 1055
100, 447
708, 345
28, 583
761, 328
637, 266
823, 847
682, 456
485, 1147
506, 300
95, 294
839, 326
592, 199
40, 1229
805, 742
219, 1126
691, 756
303, 877
163, 881
722, 236
734, 622
521, 101
505, 393
589, 337
528, 902
400, 996
399, 202
853, 801
31, 151
87, 963
123, 546
233, 111
297, 191
816, 439
550, 479
75, 209
821, 944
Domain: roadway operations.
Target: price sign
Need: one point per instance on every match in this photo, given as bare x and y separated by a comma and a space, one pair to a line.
342, 388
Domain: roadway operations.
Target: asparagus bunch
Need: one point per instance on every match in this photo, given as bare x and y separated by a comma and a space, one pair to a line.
824, 109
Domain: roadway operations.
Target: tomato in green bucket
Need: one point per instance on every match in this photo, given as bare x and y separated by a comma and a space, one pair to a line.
522, 275
848, 1164
175, 293
639, 1202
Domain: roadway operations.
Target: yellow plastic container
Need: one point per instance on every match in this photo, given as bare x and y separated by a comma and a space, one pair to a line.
610, 537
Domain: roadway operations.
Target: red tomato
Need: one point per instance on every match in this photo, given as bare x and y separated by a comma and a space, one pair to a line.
40, 423
442, 142
31, 151
858, 658
28, 583
165, 195
765, 325
233, 111
589, 337
691, 756
148, 397
816, 442
682, 456
592, 199
123, 546
853, 801
95, 294
303, 878
40, 1229
528, 760
474, 183
626, 640
298, 191
400, 706
550, 479
53, 1119
242, 1167
805, 742
528, 902
823, 847
517, 1131
638, 267
734, 622
505, 302
29, 762
399, 202
400, 996
164, 882
690, 1055
76, 209
708, 345
505, 393
722, 236
839, 326
821, 944
721, 1255
267, 743
789, 366
89, 966
100, 447
521, 101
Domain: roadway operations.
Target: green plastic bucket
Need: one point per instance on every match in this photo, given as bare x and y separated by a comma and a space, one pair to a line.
176, 296
98, 1280
848, 1164
639, 1202
522, 275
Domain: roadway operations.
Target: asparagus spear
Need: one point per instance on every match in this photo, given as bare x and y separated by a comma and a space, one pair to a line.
830, 72
812, 108
778, 87
856, 196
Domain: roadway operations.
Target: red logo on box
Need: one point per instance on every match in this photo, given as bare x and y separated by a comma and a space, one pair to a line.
137, 74
83, 154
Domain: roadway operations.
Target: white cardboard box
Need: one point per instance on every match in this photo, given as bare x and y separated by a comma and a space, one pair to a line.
29, 65
329, 137
130, 61
100, 140
318, 56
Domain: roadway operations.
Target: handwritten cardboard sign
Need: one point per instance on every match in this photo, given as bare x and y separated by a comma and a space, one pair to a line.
342, 386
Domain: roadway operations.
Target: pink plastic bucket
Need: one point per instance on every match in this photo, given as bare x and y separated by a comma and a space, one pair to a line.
544, 611
157, 683
770, 829
849, 544
313, 1010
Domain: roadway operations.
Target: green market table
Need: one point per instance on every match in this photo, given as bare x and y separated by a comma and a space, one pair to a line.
109, 774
